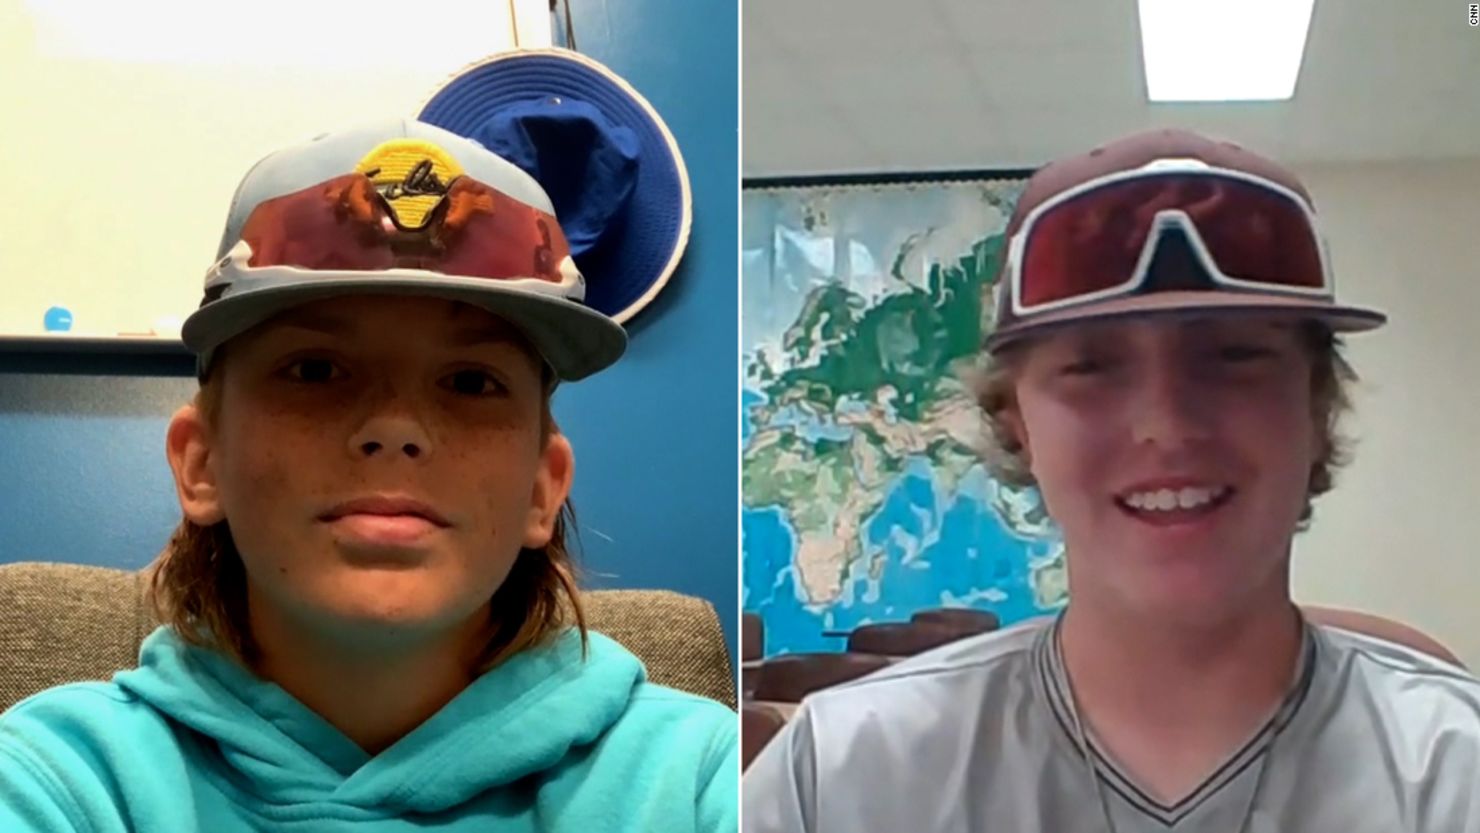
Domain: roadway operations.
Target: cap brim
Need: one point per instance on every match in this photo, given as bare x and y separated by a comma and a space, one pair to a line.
574, 340
1188, 303
623, 273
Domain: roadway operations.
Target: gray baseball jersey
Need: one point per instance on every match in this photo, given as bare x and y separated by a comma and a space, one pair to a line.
979, 736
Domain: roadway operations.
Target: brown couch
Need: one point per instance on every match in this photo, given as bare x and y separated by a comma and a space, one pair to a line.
63, 623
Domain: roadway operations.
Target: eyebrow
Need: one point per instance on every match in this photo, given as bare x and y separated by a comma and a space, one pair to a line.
1216, 329
319, 323
483, 335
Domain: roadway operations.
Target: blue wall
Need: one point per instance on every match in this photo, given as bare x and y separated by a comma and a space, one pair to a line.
82, 471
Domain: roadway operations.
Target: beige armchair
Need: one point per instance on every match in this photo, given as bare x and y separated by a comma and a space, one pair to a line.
1381, 627
63, 623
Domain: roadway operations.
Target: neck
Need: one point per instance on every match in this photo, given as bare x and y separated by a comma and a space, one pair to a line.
1170, 702
1132, 663
374, 692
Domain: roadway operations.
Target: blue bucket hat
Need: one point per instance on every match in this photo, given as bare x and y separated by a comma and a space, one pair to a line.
608, 162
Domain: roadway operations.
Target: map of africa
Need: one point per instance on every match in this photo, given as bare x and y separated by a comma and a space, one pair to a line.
864, 493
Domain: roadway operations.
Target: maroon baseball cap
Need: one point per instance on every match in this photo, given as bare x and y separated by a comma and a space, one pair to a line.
1177, 294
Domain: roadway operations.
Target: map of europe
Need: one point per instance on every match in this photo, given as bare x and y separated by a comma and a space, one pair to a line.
865, 496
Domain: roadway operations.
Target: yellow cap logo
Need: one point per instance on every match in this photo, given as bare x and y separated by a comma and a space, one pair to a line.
412, 175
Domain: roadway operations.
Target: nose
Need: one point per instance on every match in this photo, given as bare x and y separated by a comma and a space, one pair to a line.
1169, 407
392, 428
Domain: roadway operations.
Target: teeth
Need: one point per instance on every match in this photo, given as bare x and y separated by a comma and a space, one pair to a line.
1165, 500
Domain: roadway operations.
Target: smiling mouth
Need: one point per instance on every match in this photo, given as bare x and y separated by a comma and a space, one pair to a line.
1172, 507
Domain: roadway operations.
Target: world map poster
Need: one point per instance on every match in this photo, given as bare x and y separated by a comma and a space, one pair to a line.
865, 497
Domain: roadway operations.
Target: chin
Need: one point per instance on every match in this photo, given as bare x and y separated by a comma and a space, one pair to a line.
397, 597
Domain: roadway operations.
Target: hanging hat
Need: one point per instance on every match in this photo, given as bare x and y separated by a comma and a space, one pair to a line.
598, 148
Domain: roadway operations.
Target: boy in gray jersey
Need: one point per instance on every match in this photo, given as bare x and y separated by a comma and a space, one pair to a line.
1165, 368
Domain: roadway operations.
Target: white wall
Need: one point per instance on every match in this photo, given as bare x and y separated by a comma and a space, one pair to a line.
1400, 534
127, 127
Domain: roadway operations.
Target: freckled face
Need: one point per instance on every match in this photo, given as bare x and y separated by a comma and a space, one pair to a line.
418, 398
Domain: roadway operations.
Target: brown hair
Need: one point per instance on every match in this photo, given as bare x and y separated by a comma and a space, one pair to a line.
198, 584
996, 392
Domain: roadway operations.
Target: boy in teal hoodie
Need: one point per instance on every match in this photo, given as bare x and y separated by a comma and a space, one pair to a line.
373, 623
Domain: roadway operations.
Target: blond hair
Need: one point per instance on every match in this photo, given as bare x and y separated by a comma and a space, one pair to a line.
198, 584
995, 385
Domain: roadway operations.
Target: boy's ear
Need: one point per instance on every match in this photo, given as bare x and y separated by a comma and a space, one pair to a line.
1013, 419
188, 448
551, 488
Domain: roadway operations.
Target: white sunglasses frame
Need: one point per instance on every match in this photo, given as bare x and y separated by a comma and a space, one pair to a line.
1164, 221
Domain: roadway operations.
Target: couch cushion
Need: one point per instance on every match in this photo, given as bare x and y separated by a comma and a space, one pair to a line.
62, 623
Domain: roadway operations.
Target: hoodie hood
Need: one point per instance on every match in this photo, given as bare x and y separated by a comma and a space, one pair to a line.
525, 717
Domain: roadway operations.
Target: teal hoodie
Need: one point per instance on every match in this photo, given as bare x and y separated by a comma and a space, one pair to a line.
191, 742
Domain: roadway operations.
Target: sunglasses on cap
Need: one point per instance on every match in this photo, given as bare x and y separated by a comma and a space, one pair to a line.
1098, 240
352, 224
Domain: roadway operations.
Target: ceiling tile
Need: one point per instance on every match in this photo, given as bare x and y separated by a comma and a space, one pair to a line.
939, 83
